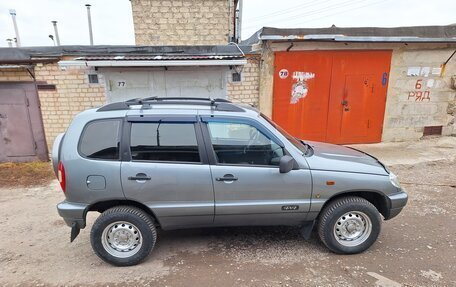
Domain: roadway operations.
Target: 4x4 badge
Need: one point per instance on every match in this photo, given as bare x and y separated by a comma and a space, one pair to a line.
290, 207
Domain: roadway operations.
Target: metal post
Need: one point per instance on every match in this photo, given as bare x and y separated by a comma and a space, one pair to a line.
89, 18
10, 42
13, 15
239, 21
56, 32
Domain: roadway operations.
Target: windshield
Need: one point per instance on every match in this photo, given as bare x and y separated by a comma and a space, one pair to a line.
302, 146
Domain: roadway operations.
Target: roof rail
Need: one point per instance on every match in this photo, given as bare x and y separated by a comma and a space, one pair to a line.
185, 99
217, 104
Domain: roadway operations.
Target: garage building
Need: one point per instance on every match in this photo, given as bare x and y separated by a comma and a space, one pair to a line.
359, 85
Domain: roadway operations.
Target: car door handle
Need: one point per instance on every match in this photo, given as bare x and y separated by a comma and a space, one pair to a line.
226, 177
139, 176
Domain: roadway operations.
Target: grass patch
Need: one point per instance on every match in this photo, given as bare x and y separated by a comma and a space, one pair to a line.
25, 173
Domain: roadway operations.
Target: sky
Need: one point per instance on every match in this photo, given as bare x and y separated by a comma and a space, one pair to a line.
113, 24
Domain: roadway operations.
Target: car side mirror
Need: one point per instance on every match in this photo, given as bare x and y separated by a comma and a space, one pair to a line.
286, 164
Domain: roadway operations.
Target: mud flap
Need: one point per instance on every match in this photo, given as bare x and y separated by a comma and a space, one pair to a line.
74, 231
306, 229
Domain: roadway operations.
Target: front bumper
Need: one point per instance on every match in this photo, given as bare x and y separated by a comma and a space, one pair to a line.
73, 213
397, 202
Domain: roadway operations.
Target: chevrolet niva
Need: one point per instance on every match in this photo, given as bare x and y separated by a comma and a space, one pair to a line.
175, 163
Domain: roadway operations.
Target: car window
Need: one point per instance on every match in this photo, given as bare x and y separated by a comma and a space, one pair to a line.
164, 142
239, 143
100, 140
294, 141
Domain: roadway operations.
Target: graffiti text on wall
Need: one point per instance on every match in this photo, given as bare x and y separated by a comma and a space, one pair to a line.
421, 93
300, 89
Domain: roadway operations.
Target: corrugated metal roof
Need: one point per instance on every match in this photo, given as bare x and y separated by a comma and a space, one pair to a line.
35, 54
159, 57
419, 34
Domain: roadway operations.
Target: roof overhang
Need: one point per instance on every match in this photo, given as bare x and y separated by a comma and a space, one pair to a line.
16, 67
360, 39
153, 63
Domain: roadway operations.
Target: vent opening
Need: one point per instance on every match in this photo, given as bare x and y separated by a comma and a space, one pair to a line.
236, 77
93, 78
432, 131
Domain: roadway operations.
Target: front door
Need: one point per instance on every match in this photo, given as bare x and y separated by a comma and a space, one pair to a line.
249, 189
169, 172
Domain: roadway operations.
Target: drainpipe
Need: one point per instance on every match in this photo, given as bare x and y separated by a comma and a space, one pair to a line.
56, 32
239, 24
89, 18
231, 18
13, 15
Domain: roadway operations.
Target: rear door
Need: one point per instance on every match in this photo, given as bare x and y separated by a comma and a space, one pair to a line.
168, 170
249, 189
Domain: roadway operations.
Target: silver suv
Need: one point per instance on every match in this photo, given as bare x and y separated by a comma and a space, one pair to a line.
174, 163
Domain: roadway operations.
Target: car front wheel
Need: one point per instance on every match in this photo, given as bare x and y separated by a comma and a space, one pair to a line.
349, 225
123, 235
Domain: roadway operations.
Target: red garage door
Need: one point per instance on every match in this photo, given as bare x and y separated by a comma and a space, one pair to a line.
331, 96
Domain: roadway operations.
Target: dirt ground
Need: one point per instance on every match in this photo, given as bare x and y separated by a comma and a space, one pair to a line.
25, 174
417, 248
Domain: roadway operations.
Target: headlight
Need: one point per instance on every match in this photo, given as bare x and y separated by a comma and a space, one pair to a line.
394, 180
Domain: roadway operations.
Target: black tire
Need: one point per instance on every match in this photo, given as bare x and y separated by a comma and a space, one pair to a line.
132, 215
334, 211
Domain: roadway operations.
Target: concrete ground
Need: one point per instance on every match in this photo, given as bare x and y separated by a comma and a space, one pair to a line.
415, 249
412, 152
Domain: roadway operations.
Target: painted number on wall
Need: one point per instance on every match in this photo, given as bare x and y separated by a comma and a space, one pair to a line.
121, 84
384, 79
418, 94
283, 74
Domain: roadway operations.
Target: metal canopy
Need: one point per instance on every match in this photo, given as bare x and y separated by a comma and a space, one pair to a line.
157, 61
110, 56
417, 34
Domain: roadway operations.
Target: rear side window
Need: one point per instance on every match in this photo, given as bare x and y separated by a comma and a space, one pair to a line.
164, 142
101, 140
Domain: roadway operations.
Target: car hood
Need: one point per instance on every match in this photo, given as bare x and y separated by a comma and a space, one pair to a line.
340, 158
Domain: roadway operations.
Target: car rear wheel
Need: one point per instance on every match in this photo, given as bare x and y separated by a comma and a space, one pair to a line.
349, 225
123, 235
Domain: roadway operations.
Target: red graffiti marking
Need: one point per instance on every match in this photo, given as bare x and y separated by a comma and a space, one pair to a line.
419, 95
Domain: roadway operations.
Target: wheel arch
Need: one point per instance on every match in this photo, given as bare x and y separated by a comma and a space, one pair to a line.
102, 206
378, 199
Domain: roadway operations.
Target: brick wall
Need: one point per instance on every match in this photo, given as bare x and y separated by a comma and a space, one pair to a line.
14, 75
183, 22
73, 94
247, 91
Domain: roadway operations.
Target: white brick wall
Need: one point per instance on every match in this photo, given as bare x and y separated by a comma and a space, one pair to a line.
183, 22
247, 91
73, 94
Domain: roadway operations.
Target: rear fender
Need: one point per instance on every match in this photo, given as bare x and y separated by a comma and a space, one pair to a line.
57, 146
